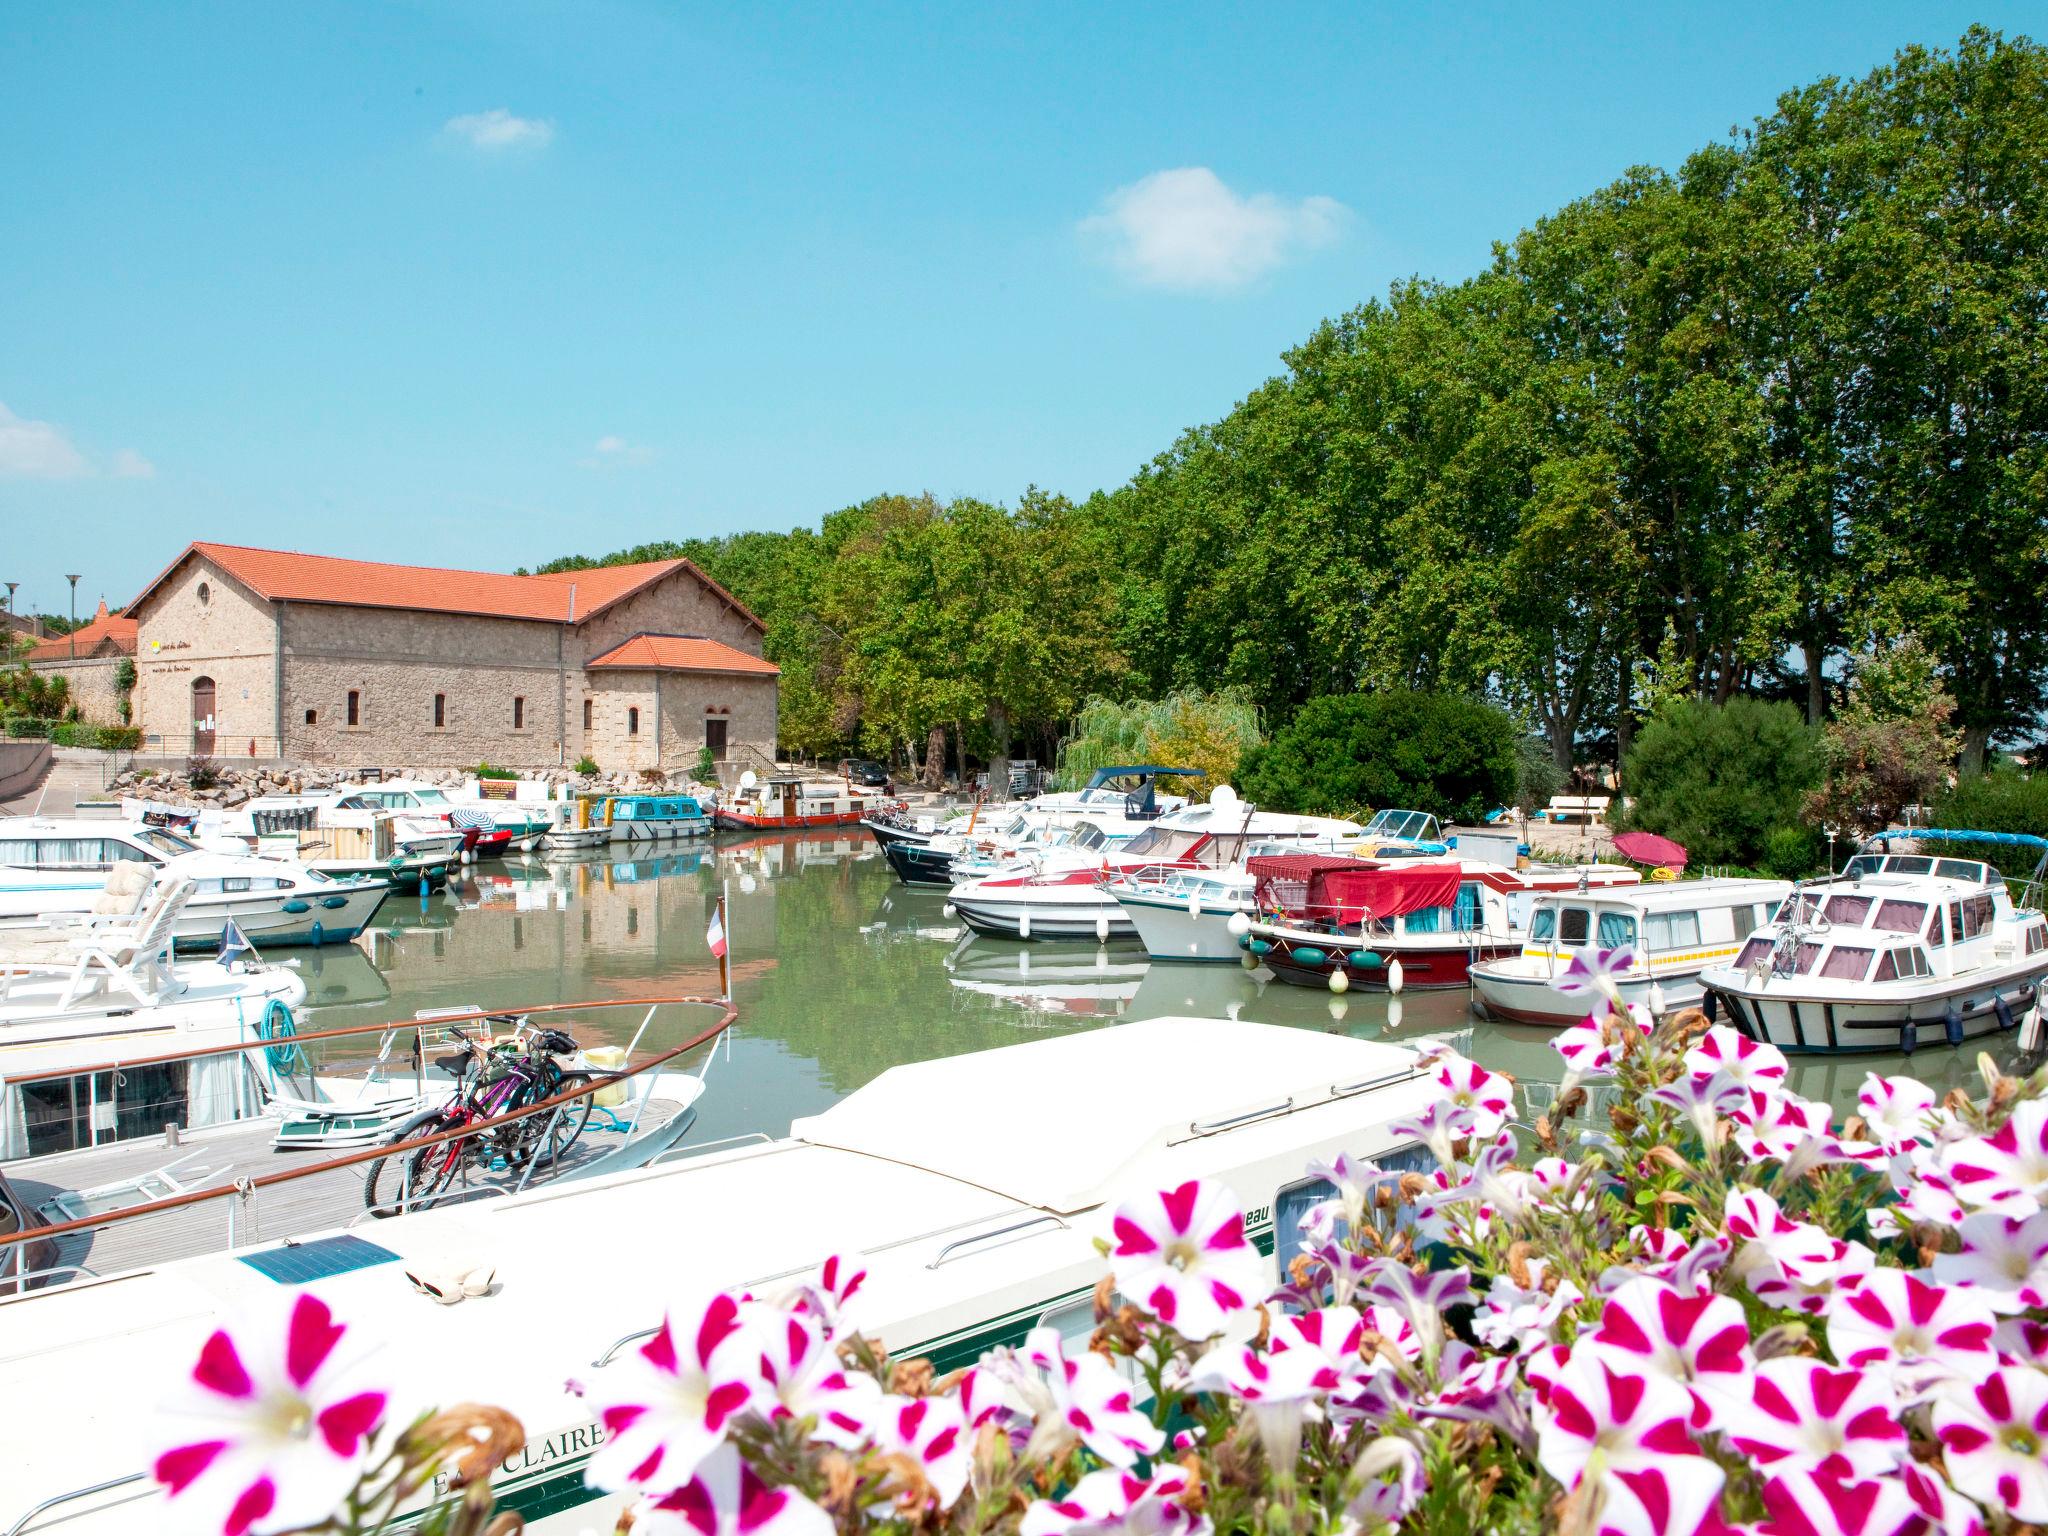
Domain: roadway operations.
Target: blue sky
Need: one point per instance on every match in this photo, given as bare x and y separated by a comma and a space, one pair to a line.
478, 284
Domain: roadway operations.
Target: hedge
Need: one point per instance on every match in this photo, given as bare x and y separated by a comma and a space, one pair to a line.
83, 733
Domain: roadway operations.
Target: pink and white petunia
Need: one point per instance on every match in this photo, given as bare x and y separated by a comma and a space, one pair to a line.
1994, 1440
1181, 1254
833, 1294
1585, 1050
2004, 1259
1685, 1266
1381, 1505
1356, 1180
1700, 1342
2008, 1170
1489, 1096
1705, 1099
1799, 1414
1679, 1496
1897, 1324
668, 1404
1332, 1337
1079, 1401
1796, 1132
727, 1497
1439, 1127
930, 1433
1831, 1502
1787, 1263
1747, 1063
802, 1378
1517, 1319
1280, 1392
1596, 975
1115, 1503
270, 1429
1588, 1407
1897, 1110
1421, 1299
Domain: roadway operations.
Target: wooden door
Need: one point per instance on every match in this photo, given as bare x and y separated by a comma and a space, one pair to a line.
202, 716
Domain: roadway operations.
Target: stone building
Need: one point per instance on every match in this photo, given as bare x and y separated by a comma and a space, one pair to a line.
310, 658
89, 660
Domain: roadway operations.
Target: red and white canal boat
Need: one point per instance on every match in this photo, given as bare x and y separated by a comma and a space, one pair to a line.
791, 802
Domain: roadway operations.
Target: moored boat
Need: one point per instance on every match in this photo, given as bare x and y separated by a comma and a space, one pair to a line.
788, 802
1898, 951
649, 818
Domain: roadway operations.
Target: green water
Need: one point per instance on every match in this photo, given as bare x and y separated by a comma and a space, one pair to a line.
839, 972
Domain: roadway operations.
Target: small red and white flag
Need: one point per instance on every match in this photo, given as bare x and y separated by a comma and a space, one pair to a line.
715, 934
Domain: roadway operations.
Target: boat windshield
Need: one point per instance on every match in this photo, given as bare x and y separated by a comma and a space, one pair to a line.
165, 842
1162, 843
430, 797
1414, 826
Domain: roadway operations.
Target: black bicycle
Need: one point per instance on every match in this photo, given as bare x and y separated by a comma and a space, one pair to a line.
490, 1081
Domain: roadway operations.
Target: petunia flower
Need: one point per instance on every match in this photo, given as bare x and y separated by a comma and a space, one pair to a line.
1585, 1050
1796, 1132
1786, 1263
1705, 1099
1596, 975
1896, 1110
2006, 1171
1438, 1127
1488, 1095
1679, 1496
2004, 1260
1332, 1339
1378, 1506
1897, 1324
668, 1404
801, 1376
727, 1497
271, 1428
1994, 1440
1280, 1393
833, 1294
1356, 1180
1686, 1266
1082, 1401
1117, 1503
1422, 1299
931, 1434
1589, 1413
1516, 1319
1182, 1255
1830, 1502
1700, 1342
1799, 1414
1746, 1063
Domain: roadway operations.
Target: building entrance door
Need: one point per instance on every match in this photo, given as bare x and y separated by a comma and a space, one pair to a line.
202, 716
714, 737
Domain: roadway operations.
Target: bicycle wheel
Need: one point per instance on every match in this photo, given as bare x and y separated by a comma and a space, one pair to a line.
398, 1183
568, 1121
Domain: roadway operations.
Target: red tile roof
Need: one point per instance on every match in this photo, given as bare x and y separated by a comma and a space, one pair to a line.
682, 653
103, 628
566, 597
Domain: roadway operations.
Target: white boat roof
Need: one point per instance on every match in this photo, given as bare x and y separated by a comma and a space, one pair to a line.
1112, 1099
1677, 895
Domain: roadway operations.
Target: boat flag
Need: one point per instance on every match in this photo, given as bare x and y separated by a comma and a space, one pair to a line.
233, 942
715, 934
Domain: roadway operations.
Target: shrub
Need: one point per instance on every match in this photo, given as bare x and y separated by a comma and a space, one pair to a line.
1537, 776
119, 738
1721, 778
23, 728
201, 772
586, 765
1889, 747
1209, 732
124, 674
707, 765
2000, 800
486, 771
1454, 757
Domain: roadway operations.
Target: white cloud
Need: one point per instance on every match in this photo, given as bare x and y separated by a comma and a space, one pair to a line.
611, 444
612, 449
499, 129
37, 450
130, 465
1184, 229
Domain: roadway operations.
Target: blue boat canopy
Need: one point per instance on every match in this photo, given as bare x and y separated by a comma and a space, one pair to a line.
1102, 776
1961, 835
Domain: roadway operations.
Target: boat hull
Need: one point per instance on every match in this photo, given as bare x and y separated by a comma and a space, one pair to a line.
1027, 912
1500, 993
637, 832
332, 915
757, 822
1169, 931
1955, 1015
920, 863
1424, 967
887, 835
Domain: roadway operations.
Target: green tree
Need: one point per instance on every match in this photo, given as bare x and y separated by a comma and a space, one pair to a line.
1722, 779
1890, 745
1346, 753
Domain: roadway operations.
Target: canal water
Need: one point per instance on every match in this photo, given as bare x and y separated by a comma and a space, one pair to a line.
839, 972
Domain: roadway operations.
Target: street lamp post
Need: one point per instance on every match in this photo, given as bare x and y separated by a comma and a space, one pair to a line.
73, 579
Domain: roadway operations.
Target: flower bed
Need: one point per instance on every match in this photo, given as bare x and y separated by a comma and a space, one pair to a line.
1722, 1310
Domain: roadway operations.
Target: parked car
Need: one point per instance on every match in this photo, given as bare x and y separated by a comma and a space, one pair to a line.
865, 772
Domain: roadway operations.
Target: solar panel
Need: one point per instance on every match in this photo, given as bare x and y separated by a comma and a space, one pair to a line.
300, 1263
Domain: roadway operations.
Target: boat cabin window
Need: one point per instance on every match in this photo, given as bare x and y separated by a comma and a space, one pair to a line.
69, 853
1901, 964
1543, 926
1672, 930
1799, 907
1900, 916
1846, 962
1910, 864
1846, 911
1747, 918
1887, 967
1087, 836
1163, 842
1863, 864
1573, 925
1802, 963
165, 842
1756, 949
1934, 935
1617, 929
1960, 869
2037, 938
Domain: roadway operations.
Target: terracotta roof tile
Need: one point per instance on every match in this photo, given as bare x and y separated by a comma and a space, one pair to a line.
88, 637
562, 598
682, 653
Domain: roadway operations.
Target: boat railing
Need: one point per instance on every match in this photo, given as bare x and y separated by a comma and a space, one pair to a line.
238, 1192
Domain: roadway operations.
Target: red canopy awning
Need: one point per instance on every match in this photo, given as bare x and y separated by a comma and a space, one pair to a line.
1348, 890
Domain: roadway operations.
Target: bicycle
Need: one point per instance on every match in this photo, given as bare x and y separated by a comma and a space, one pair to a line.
505, 1078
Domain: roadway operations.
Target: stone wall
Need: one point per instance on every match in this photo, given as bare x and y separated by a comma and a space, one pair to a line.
396, 662
203, 623
90, 682
688, 699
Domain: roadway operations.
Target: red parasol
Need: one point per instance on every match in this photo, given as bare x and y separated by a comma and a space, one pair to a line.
1649, 848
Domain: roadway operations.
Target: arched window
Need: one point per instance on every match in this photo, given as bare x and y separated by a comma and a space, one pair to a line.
586, 714
632, 722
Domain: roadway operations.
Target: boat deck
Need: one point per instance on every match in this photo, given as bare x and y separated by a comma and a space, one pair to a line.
218, 1156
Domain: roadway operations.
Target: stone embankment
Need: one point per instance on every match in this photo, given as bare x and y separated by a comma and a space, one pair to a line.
230, 787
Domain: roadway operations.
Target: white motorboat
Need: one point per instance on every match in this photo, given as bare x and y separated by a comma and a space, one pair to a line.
1897, 951
976, 1213
342, 841
102, 989
1676, 931
50, 866
1071, 900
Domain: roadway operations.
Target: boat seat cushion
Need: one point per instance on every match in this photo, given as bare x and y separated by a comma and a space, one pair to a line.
126, 882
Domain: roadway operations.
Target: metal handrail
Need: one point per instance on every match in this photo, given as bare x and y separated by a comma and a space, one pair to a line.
244, 1187
8, 1277
65, 1498
1212, 1127
976, 1237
